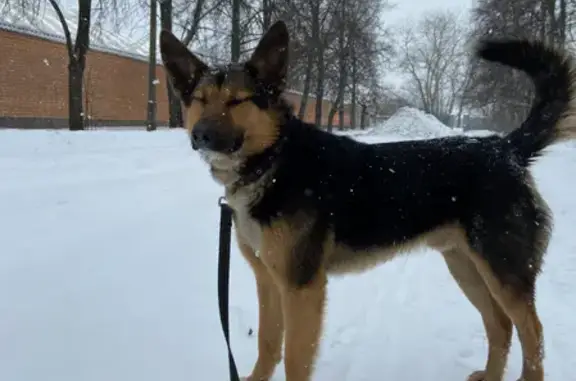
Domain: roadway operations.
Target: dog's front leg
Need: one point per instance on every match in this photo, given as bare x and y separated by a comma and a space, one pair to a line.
270, 322
303, 315
296, 266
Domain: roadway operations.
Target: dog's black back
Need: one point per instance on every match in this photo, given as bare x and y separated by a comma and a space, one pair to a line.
379, 195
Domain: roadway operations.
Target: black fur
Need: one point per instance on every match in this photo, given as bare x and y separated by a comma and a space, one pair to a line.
306, 260
378, 195
552, 75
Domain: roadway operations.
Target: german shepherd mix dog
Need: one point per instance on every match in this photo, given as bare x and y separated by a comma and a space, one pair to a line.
308, 204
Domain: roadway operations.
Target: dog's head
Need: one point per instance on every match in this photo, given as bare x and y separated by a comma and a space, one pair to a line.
231, 112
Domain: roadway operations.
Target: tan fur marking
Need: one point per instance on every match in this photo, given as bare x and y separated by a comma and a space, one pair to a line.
522, 311
191, 115
303, 308
497, 324
241, 94
303, 315
270, 317
343, 260
260, 127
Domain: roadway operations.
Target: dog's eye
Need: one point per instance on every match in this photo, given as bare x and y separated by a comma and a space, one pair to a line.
236, 102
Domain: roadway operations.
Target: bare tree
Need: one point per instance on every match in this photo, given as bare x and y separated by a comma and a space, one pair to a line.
431, 55
174, 107
76, 46
236, 38
151, 114
357, 50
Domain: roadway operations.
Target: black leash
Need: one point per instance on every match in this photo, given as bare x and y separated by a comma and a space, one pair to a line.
224, 278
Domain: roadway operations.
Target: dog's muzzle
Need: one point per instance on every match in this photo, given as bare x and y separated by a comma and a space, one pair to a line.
211, 135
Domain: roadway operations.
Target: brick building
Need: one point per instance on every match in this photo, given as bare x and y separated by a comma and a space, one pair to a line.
34, 83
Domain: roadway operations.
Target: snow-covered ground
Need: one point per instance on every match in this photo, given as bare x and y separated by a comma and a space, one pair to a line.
108, 256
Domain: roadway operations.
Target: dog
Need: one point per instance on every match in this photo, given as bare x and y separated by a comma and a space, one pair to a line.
308, 204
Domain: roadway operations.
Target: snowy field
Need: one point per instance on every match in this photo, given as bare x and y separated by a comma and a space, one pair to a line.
108, 273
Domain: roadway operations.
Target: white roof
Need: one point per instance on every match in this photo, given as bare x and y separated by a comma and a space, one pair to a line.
45, 24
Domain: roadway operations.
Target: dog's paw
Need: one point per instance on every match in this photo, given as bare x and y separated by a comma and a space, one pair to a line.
479, 375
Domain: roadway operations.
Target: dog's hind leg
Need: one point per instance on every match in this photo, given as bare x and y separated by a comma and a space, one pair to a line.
507, 239
497, 324
518, 303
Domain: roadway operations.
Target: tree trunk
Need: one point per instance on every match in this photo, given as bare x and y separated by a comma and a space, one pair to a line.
562, 24
77, 62
307, 82
197, 16
363, 117
75, 89
267, 6
341, 89
235, 38
336, 105
353, 97
320, 88
174, 106
343, 72
319, 55
151, 107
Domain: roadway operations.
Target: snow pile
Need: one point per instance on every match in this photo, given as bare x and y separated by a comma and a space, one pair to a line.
412, 123
482, 133
409, 123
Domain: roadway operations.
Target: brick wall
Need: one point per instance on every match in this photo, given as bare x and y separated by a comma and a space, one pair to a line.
34, 86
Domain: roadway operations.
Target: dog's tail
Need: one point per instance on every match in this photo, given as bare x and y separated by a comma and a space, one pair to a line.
552, 117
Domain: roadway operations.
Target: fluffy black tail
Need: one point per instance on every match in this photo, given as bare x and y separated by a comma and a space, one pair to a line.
553, 114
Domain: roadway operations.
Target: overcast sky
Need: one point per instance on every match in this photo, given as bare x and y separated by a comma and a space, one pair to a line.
413, 8
404, 8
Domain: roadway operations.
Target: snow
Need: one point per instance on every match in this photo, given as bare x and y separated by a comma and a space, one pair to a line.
410, 123
45, 24
108, 272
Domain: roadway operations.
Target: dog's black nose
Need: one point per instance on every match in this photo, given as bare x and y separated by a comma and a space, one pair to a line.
206, 134
213, 135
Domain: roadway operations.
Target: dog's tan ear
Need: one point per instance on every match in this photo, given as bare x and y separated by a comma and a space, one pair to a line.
270, 58
183, 67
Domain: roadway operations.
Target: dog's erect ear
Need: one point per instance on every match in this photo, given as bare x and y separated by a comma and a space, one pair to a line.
183, 67
270, 58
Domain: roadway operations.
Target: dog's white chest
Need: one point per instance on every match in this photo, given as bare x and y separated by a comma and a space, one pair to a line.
248, 229
240, 200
